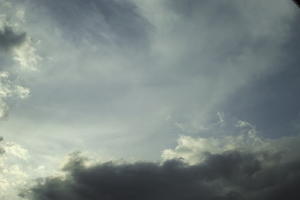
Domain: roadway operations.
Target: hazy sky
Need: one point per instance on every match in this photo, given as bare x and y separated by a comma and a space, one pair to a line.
189, 99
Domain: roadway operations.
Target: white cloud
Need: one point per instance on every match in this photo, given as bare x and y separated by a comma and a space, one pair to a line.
18, 54
12, 170
9, 89
13, 149
26, 55
194, 149
17, 170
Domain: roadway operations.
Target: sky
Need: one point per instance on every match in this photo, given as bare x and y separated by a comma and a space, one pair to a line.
149, 99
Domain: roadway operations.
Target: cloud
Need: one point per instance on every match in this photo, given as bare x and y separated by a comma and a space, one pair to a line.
10, 39
237, 135
274, 97
194, 63
2, 151
193, 149
229, 175
200, 53
19, 47
26, 55
9, 89
17, 53
109, 21
297, 2
13, 172
16, 169
237, 166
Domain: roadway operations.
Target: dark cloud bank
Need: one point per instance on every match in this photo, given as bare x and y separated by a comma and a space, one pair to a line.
231, 175
297, 2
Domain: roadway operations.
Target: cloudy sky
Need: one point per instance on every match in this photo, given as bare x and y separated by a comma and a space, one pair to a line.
149, 99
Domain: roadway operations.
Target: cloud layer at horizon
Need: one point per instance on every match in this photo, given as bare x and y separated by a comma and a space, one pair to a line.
230, 175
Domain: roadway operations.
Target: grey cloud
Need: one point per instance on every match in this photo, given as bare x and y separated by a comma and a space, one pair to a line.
2, 151
13, 51
10, 38
297, 2
107, 21
231, 30
231, 175
255, 57
197, 61
271, 102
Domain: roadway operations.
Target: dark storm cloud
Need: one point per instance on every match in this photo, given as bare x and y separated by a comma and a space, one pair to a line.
10, 38
109, 21
231, 175
297, 2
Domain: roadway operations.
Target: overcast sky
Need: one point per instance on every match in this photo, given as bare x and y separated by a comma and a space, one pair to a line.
168, 90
